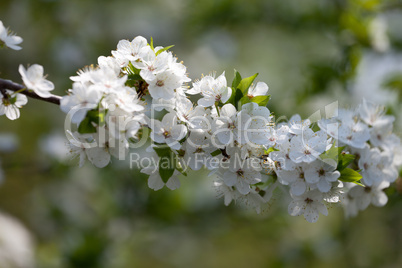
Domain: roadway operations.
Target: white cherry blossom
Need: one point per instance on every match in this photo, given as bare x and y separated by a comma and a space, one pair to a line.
230, 126
80, 100
259, 89
364, 196
212, 90
33, 79
295, 179
309, 205
307, 146
323, 173
168, 131
242, 175
129, 51
11, 103
163, 85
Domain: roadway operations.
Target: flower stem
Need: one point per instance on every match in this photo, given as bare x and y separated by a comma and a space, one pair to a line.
17, 88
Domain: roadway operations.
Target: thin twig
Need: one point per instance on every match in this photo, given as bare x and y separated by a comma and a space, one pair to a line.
10, 85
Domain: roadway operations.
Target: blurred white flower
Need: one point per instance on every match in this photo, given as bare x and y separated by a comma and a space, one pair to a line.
9, 39
8, 142
16, 246
378, 34
55, 145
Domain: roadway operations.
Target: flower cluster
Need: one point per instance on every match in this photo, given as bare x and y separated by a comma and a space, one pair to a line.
143, 91
108, 102
366, 133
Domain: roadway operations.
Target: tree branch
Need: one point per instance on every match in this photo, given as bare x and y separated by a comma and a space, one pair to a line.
10, 85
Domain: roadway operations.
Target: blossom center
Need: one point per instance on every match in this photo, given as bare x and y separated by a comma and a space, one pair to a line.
166, 134
308, 200
321, 172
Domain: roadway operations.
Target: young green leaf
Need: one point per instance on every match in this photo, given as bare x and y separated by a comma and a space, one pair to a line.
166, 167
270, 150
244, 100
167, 162
246, 83
86, 126
345, 160
236, 96
217, 152
261, 100
163, 49
236, 79
151, 44
350, 175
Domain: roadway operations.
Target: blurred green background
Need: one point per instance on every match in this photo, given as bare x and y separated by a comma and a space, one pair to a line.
310, 53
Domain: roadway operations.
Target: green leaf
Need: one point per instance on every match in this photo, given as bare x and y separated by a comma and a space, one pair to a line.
358, 183
151, 44
180, 168
162, 150
246, 83
236, 79
345, 160
86, 126
217, 152
93, 118
134, 77
332, 153
131, 70
261, 100
336, 153
236, 96
163, 49
133, 80
97, 116
245, 99
13, 99
350, 175
166, 167
167, 162
270, 150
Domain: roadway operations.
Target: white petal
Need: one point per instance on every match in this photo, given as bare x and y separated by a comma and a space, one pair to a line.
296, 208
364, 201
99, 156
242, 186
173, 183
206, 102
179, 132
155, 181
12, 112
311, 214
379, 200
230, 178
228, 110
324, 186
298, 188
321, 208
